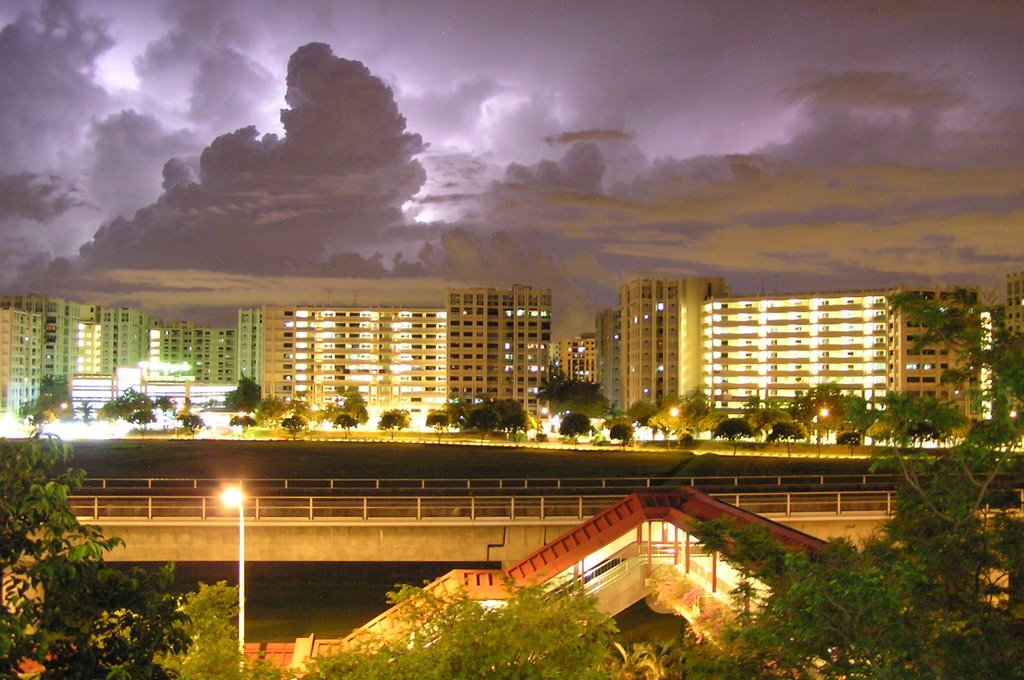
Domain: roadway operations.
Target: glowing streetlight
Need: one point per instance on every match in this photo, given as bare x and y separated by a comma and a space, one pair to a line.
232, 497
674, 412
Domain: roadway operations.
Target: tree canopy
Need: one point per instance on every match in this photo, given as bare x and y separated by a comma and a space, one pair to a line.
563, 395
530, 635
246, 397
394, 420
65, 609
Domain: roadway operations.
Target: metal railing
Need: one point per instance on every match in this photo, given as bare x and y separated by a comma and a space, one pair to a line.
561, 507
487, 483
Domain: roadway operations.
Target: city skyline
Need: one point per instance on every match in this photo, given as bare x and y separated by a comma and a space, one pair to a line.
785, 146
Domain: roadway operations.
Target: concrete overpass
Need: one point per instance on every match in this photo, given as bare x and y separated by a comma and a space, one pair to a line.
442, 528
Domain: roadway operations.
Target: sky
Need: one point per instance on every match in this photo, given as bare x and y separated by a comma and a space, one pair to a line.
191, 157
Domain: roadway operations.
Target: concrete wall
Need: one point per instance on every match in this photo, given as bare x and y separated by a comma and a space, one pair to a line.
156, 541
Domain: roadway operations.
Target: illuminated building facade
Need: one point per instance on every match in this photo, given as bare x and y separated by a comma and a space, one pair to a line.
124, 338
498, 343
394, 356
1015, 302
20, 358
577, 358
209, 352
661, 329
58, 333
89, 359
773, 347
608, 354
250, 345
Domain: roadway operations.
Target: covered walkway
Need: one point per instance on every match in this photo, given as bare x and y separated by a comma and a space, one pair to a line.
612, 556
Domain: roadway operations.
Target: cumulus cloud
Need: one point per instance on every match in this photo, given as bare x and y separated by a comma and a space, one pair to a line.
47, 90
129, 150
334, 183
581, 169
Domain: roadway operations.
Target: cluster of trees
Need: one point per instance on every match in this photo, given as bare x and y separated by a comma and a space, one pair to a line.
505, 416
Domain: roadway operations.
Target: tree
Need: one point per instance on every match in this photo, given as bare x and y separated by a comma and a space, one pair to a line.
912, 420
346, 421
65, 609
457, 410
482, 418
211, 613
574, 425
164, 403
394, 420
532, 635
668, 422
355, 405
131, 406
294, 425
640, 412
563, 395
271, 410
763, 415
142, 418
53, 402
190, 423
623, 432
438, 420
512, 417
788, 431
849, 438
733, 429
697, 413
821, 409
243, 421
246, 397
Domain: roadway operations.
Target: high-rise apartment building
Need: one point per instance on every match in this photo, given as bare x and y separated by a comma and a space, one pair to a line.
661, 330
1015, 302
394, 356
59, 331
124, 338
774, 346
498, 343
608, 353
577, 358
89, 360
209, 353
20, 358
250, 345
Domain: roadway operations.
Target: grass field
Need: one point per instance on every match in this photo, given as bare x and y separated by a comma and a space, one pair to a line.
248, 459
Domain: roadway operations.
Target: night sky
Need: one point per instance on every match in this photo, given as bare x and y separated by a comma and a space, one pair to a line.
190, 158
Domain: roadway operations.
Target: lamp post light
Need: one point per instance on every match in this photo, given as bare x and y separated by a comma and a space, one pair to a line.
824, 414
233, 496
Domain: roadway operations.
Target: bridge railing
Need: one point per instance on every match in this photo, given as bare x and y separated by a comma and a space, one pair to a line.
311, 508
540, 483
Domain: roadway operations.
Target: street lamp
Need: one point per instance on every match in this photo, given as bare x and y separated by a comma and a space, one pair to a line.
233, 496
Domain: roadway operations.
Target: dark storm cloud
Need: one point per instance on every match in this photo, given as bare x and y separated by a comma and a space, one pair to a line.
571, 144
39, 198
581, 169
46, 87
873, 117
334, 182
129, 150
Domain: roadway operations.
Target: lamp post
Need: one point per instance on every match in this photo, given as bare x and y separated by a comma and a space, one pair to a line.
232, 497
